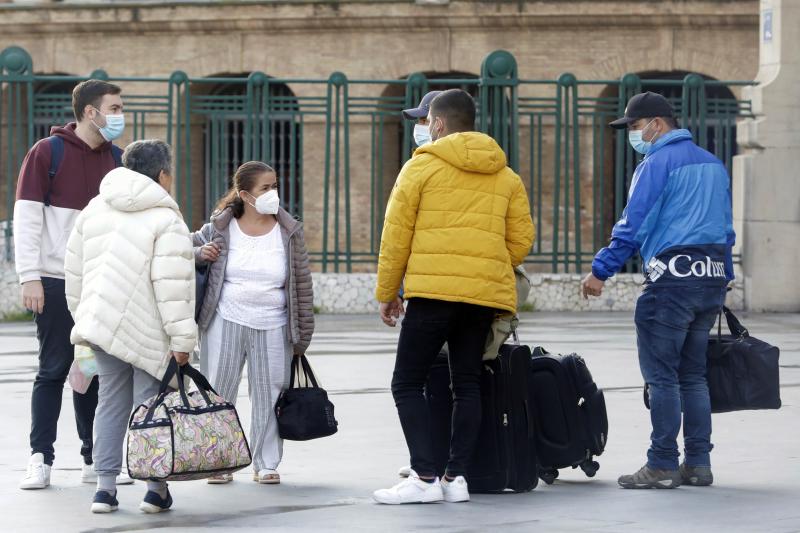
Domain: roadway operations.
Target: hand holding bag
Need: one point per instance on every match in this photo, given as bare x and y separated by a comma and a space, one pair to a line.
180, 436
304, 413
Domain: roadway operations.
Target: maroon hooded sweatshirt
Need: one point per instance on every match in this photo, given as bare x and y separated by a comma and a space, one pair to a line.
41, 232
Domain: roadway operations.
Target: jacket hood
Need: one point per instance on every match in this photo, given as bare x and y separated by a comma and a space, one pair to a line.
469, 151
126, 190
68, 134
669, 138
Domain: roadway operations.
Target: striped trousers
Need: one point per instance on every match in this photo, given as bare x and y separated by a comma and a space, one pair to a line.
224, 348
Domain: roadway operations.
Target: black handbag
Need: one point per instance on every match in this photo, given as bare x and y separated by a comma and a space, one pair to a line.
304, 413
743, 372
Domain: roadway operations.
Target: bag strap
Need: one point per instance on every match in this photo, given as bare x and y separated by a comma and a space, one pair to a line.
293, 372
297, 362
308, 372
200, 381
116, 153
172, 368
203, 386
736, 328
56, 155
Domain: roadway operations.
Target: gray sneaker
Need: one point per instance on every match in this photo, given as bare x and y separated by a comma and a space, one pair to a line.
648, 478
696, 476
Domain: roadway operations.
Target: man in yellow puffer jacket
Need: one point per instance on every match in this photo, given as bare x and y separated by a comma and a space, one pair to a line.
457, 223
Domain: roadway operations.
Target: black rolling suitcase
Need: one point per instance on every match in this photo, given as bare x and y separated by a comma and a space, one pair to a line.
505, 453
571, 418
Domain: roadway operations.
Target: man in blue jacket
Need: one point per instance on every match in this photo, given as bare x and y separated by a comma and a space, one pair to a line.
679, 219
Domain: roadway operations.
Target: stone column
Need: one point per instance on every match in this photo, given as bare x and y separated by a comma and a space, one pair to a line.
766, 177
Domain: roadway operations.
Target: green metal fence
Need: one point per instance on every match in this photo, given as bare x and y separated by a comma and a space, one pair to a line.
338, 144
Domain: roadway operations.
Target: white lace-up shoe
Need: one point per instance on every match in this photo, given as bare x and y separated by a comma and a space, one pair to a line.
410, 490
38, 476
455, 491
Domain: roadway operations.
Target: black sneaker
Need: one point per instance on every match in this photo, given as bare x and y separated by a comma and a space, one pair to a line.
104, 502
650, 478
154, 503
696, 476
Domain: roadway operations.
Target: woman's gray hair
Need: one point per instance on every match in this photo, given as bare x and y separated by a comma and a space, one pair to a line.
148, 157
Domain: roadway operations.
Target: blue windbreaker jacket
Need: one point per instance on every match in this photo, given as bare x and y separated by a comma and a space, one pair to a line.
678, 217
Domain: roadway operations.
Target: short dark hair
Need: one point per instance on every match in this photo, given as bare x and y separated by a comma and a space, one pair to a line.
456, 108
672, 121
148, 157
91, 92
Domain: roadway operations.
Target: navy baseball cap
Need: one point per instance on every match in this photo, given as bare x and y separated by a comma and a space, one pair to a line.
424, 107
643, 105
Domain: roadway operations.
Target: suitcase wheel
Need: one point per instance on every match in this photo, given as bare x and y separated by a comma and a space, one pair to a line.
590, 468
548, 476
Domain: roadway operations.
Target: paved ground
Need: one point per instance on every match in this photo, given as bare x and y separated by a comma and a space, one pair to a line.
327, 483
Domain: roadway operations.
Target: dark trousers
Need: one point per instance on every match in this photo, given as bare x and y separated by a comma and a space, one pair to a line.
672, 328
439, 394
56, 353
426, 326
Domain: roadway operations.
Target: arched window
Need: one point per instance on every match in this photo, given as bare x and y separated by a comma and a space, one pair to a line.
718, 136
235, 129
52, 104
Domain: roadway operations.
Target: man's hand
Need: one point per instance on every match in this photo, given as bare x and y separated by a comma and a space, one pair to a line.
209, 252
391, 311
181, 357
33, 296
592, 286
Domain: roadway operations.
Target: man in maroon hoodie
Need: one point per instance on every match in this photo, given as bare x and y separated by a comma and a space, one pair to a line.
59, 176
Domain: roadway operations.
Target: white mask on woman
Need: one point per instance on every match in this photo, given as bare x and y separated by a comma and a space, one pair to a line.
268, 203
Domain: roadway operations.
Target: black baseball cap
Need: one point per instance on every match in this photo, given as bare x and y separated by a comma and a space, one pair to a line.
421, 111
643, 105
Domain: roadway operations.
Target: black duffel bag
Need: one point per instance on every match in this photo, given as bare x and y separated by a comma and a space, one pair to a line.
743, 372
304, 413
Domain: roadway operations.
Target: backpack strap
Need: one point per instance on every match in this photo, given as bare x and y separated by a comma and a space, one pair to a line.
116, 152
56, 155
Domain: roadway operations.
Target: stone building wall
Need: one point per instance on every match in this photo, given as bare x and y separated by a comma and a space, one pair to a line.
387, 40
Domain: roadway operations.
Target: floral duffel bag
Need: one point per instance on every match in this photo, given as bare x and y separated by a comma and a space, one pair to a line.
181, 435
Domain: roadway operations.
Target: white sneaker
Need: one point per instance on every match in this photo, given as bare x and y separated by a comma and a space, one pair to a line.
404, 472
38, 476
88, 475
455, 491
410, 490
124, 479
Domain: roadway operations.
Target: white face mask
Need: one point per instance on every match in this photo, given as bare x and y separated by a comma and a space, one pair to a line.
422, 134
115, 125
268, 203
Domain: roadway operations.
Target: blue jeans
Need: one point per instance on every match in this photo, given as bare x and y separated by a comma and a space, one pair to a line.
672, 328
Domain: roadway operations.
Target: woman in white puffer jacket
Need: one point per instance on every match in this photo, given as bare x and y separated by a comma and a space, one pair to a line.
130, 286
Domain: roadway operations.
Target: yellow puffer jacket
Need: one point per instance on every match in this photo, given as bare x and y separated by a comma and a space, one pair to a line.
457, 222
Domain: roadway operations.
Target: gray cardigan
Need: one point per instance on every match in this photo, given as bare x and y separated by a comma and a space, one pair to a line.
299, 288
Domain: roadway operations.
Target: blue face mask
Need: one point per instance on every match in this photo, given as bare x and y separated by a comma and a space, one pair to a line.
115, 125
422, 134
637, 143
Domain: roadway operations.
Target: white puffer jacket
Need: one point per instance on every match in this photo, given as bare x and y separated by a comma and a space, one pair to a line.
130, 278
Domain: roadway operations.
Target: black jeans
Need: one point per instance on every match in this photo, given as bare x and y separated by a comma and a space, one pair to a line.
426, 326
56, 353
439, 394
